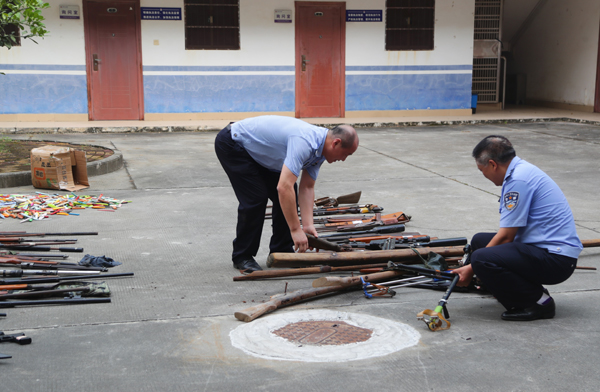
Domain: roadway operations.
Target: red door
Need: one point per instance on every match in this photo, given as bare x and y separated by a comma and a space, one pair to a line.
597, 101
320, 59
113, 58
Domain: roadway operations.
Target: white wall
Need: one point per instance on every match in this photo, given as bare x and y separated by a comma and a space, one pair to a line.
559, 52
266, 42
64, 44
262, 40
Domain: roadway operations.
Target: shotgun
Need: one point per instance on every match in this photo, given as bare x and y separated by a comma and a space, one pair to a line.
61, 278
303, 271
66, 301
25, 234
376, 230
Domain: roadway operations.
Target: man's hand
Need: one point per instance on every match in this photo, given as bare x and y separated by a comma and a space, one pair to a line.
300, 240
466, 275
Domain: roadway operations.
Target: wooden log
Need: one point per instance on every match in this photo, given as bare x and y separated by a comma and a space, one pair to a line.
292, 260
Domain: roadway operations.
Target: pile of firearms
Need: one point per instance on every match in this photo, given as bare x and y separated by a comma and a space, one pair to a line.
28, 278
361, 238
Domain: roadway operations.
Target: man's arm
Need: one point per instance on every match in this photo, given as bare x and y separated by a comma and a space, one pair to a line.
503, 236
287, 200
306, 199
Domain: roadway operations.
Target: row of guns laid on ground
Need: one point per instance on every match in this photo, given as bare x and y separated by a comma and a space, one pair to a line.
31, 279
377, 246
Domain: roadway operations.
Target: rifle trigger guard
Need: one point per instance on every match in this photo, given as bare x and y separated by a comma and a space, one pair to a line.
435, 320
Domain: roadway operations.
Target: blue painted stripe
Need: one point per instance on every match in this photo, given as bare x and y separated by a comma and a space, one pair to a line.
467, 67
202, 94
156, 68
43, 94
42, 67
408, 92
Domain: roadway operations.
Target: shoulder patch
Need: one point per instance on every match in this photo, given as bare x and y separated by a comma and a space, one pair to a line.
511, 199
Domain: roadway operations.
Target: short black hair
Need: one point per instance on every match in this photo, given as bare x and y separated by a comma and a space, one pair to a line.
494, 147
346, 134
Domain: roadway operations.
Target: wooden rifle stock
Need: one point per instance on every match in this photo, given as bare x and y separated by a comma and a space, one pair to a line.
590, 243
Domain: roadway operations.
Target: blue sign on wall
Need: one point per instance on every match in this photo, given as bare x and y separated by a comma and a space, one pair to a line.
364, 15
161, 13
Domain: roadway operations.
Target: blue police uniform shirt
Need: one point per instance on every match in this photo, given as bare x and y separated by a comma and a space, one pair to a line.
533, 202
273, 141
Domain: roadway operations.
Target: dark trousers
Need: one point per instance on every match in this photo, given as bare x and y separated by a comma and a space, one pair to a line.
515, 272
253, 185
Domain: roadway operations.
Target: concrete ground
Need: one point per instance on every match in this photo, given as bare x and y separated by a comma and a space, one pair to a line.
168, 327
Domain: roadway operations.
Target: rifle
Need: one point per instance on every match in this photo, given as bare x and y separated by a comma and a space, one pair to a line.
281, 300
379, 244
46, 256
302, 271
375, 230
318, 243
25, 264
24, 241
351, 198
65, 301
61, 278
20, 272
25, 234
356, 209
378, 219
40, 248
45, 293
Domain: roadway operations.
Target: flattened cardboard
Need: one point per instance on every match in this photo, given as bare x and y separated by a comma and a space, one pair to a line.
56, 167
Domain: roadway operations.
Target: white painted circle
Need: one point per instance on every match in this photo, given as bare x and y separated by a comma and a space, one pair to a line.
256, 338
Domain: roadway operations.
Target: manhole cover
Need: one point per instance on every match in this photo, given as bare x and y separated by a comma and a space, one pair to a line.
322, 333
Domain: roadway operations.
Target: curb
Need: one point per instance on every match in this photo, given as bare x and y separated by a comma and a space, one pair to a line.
205, 128
104, 166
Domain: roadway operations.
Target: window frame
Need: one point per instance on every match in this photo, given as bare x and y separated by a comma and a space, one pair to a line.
211, 29
411, 33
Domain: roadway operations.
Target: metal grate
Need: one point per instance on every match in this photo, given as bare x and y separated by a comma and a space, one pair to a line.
323, 333
485, 79
486, 71
488, 14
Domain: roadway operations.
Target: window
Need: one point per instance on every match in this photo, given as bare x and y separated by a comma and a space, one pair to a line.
212, 24
409, 24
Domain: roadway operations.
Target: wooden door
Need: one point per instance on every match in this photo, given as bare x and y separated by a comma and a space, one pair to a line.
113, 60
320, 59
597, 101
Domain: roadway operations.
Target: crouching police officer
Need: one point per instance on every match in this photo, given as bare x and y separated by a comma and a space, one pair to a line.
536, 244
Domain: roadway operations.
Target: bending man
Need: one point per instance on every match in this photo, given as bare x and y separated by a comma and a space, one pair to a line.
263, 158
537, 243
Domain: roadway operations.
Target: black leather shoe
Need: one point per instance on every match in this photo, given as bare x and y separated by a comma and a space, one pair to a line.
248, 265
534, 312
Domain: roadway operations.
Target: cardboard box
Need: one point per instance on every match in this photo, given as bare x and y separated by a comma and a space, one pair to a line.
56, 167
